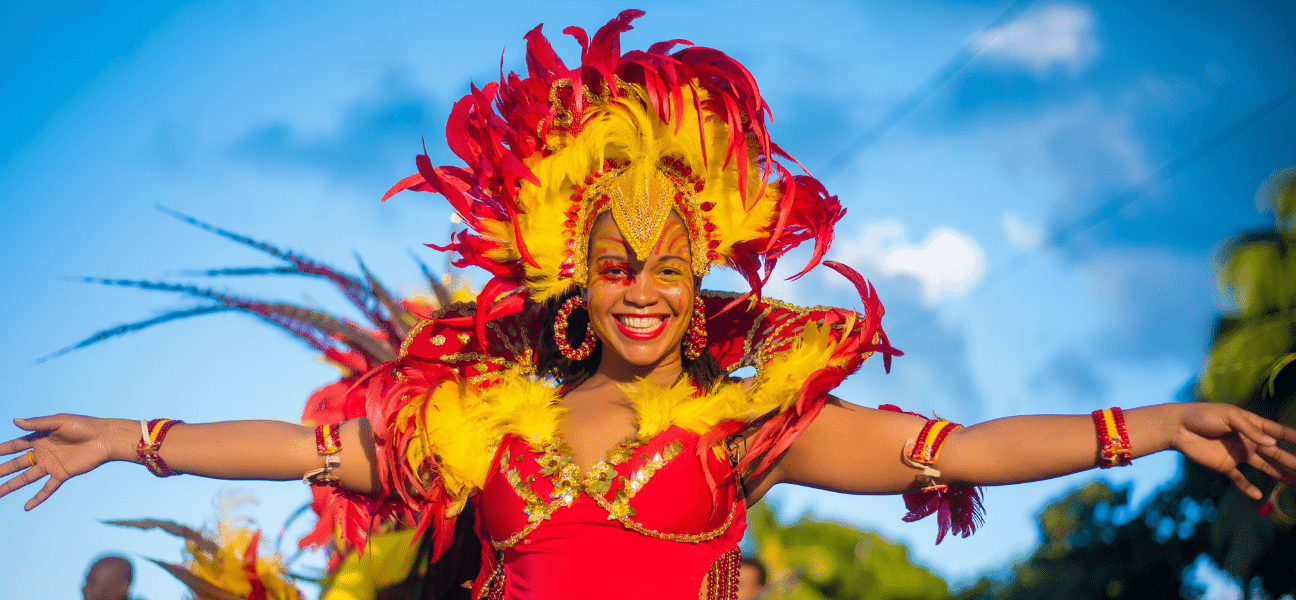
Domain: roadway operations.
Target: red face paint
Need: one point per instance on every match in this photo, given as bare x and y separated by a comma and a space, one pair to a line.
640, 309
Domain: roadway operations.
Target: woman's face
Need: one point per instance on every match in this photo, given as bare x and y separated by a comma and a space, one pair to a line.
640, 309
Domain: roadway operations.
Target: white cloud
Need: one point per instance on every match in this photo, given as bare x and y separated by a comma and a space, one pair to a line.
1055, 35
1022, 235
946, 265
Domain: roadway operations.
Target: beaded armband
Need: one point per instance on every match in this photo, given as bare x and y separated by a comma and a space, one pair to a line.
926, 449
328, 442
957, 508
151, 435
1113, 439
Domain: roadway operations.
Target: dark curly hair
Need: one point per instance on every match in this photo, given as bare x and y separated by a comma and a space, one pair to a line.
705, 371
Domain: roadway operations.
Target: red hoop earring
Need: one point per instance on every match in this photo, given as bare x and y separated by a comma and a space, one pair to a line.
560, 331
695, 340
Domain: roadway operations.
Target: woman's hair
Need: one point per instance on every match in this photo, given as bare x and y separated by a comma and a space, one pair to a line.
705, 371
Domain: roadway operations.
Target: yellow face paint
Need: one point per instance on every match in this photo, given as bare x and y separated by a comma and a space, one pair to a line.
640, 309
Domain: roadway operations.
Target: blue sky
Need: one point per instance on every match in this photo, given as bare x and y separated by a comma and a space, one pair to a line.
286, 121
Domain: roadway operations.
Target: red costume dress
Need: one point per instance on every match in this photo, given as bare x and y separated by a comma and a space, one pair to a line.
641, 521
662, 513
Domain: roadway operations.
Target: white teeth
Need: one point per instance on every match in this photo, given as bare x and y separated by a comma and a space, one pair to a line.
644, 324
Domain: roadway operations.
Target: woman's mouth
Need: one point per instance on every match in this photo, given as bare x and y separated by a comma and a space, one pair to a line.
641, 327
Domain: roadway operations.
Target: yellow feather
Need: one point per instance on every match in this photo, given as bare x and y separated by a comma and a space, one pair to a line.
386, 561
223, 567
628, 130
524, 407
780, 381
453, 425
462, 425
658, 407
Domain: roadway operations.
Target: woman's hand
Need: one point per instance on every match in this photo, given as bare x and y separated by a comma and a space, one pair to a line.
62, 447
1223, 437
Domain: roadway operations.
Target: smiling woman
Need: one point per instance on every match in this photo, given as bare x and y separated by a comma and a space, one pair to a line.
641, 307
572, 433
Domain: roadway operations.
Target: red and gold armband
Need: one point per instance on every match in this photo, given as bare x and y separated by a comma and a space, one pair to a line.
957, 508
1114, 448
927, 447
328, 442
151, 435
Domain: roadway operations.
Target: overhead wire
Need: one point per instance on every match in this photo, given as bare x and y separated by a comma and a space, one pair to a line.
906, 105
1065, 234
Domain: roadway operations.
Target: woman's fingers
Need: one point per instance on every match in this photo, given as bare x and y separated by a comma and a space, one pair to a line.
20, 480
24, 461
1268, 468
51, 485
1280, 431
18, 445
47, 423
1241, 421
1279, 456
1244, 484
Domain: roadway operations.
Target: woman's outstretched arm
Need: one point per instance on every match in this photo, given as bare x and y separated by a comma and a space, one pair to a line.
858, 450
63, 446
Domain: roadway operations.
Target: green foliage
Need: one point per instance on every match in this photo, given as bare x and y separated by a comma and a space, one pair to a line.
1280, 193
1253, 348
1090, 548
816, 560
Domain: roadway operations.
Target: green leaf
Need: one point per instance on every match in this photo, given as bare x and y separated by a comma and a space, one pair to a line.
1277, 369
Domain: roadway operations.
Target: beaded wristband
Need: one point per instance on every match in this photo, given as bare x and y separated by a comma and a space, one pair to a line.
1114, 448
327, 439
328, 442
151, 435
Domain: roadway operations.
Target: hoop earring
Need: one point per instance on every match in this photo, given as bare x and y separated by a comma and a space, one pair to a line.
695, 340
560, 331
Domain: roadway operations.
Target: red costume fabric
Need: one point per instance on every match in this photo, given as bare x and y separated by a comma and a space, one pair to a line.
662, 509
641, 521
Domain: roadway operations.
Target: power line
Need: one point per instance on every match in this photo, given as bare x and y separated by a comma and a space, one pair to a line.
1066, 234
907, 105
1111, 207
1174, 167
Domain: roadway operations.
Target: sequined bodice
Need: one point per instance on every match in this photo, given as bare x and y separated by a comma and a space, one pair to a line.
642, 517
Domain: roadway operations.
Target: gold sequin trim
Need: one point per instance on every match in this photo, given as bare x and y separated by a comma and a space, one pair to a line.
562, 473
460, 309
672, 537
601, 474
631, 485
758, 346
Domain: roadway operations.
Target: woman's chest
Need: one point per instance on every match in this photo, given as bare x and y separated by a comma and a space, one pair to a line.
661, 486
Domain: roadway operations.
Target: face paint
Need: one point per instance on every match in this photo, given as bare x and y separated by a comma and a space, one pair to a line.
640, 309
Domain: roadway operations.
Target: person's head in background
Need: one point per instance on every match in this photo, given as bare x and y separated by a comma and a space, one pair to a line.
109, 579
751, 579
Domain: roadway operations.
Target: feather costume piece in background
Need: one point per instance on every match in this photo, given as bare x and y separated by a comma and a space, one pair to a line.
224, 563
353, 348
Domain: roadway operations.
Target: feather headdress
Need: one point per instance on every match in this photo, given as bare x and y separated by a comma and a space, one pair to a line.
639, 134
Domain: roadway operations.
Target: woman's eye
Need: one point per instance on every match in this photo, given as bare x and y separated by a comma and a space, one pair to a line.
613, 271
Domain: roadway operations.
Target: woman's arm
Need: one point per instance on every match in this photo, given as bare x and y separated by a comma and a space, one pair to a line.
858, 450
64, 446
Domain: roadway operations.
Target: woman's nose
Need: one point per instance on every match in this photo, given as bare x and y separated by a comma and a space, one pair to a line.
642, 290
